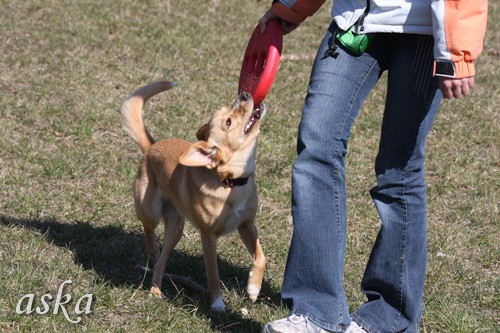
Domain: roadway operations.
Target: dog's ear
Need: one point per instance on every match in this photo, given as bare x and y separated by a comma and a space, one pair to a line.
200, 154
202, 133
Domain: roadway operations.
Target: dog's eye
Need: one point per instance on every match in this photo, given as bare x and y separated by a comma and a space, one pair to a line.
228, 122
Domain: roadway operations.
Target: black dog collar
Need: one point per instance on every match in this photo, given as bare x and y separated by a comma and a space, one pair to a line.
235, 182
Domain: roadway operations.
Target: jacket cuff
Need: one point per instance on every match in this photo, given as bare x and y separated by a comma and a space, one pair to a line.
451, 69
465, 69
287, 14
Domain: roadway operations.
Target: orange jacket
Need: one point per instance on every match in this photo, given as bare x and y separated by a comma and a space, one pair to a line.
458, 26
459, 29
296, 11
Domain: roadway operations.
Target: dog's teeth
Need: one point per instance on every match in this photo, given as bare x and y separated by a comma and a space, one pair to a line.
251, 122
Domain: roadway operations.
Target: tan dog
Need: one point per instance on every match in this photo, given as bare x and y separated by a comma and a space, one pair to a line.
211, 183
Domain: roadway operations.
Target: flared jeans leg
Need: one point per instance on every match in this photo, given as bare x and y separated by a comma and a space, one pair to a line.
395, 274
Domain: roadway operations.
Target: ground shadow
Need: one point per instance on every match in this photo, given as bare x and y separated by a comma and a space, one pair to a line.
116, 255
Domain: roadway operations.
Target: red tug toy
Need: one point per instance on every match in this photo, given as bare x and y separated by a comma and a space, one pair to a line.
261, 62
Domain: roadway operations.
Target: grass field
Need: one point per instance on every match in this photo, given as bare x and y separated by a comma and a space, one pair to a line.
66, 167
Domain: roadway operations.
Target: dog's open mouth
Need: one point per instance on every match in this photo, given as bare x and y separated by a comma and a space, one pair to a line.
256, 114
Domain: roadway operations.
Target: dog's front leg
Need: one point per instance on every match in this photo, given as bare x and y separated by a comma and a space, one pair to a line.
249, 236
209, 244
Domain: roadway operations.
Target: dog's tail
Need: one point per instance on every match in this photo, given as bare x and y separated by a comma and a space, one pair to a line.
132, 112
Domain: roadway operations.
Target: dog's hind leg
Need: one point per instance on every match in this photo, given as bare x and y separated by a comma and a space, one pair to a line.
149, 200
249, 236
174, 225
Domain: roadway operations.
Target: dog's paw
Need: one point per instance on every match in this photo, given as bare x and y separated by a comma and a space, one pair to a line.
218, 305
155, 292
253, 292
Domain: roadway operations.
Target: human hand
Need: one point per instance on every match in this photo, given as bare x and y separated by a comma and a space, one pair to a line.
269, 15
455, 88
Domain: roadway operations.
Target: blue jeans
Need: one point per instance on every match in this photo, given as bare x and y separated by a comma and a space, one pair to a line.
394, 278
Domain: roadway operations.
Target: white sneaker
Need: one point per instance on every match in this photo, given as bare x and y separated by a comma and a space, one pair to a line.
355, 328
293, 324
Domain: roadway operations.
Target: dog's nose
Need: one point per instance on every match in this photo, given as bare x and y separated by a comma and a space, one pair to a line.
244, 96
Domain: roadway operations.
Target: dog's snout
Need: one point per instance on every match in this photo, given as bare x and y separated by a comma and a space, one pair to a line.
244, 96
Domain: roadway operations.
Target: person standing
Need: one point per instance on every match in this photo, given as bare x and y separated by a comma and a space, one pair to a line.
428, 48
